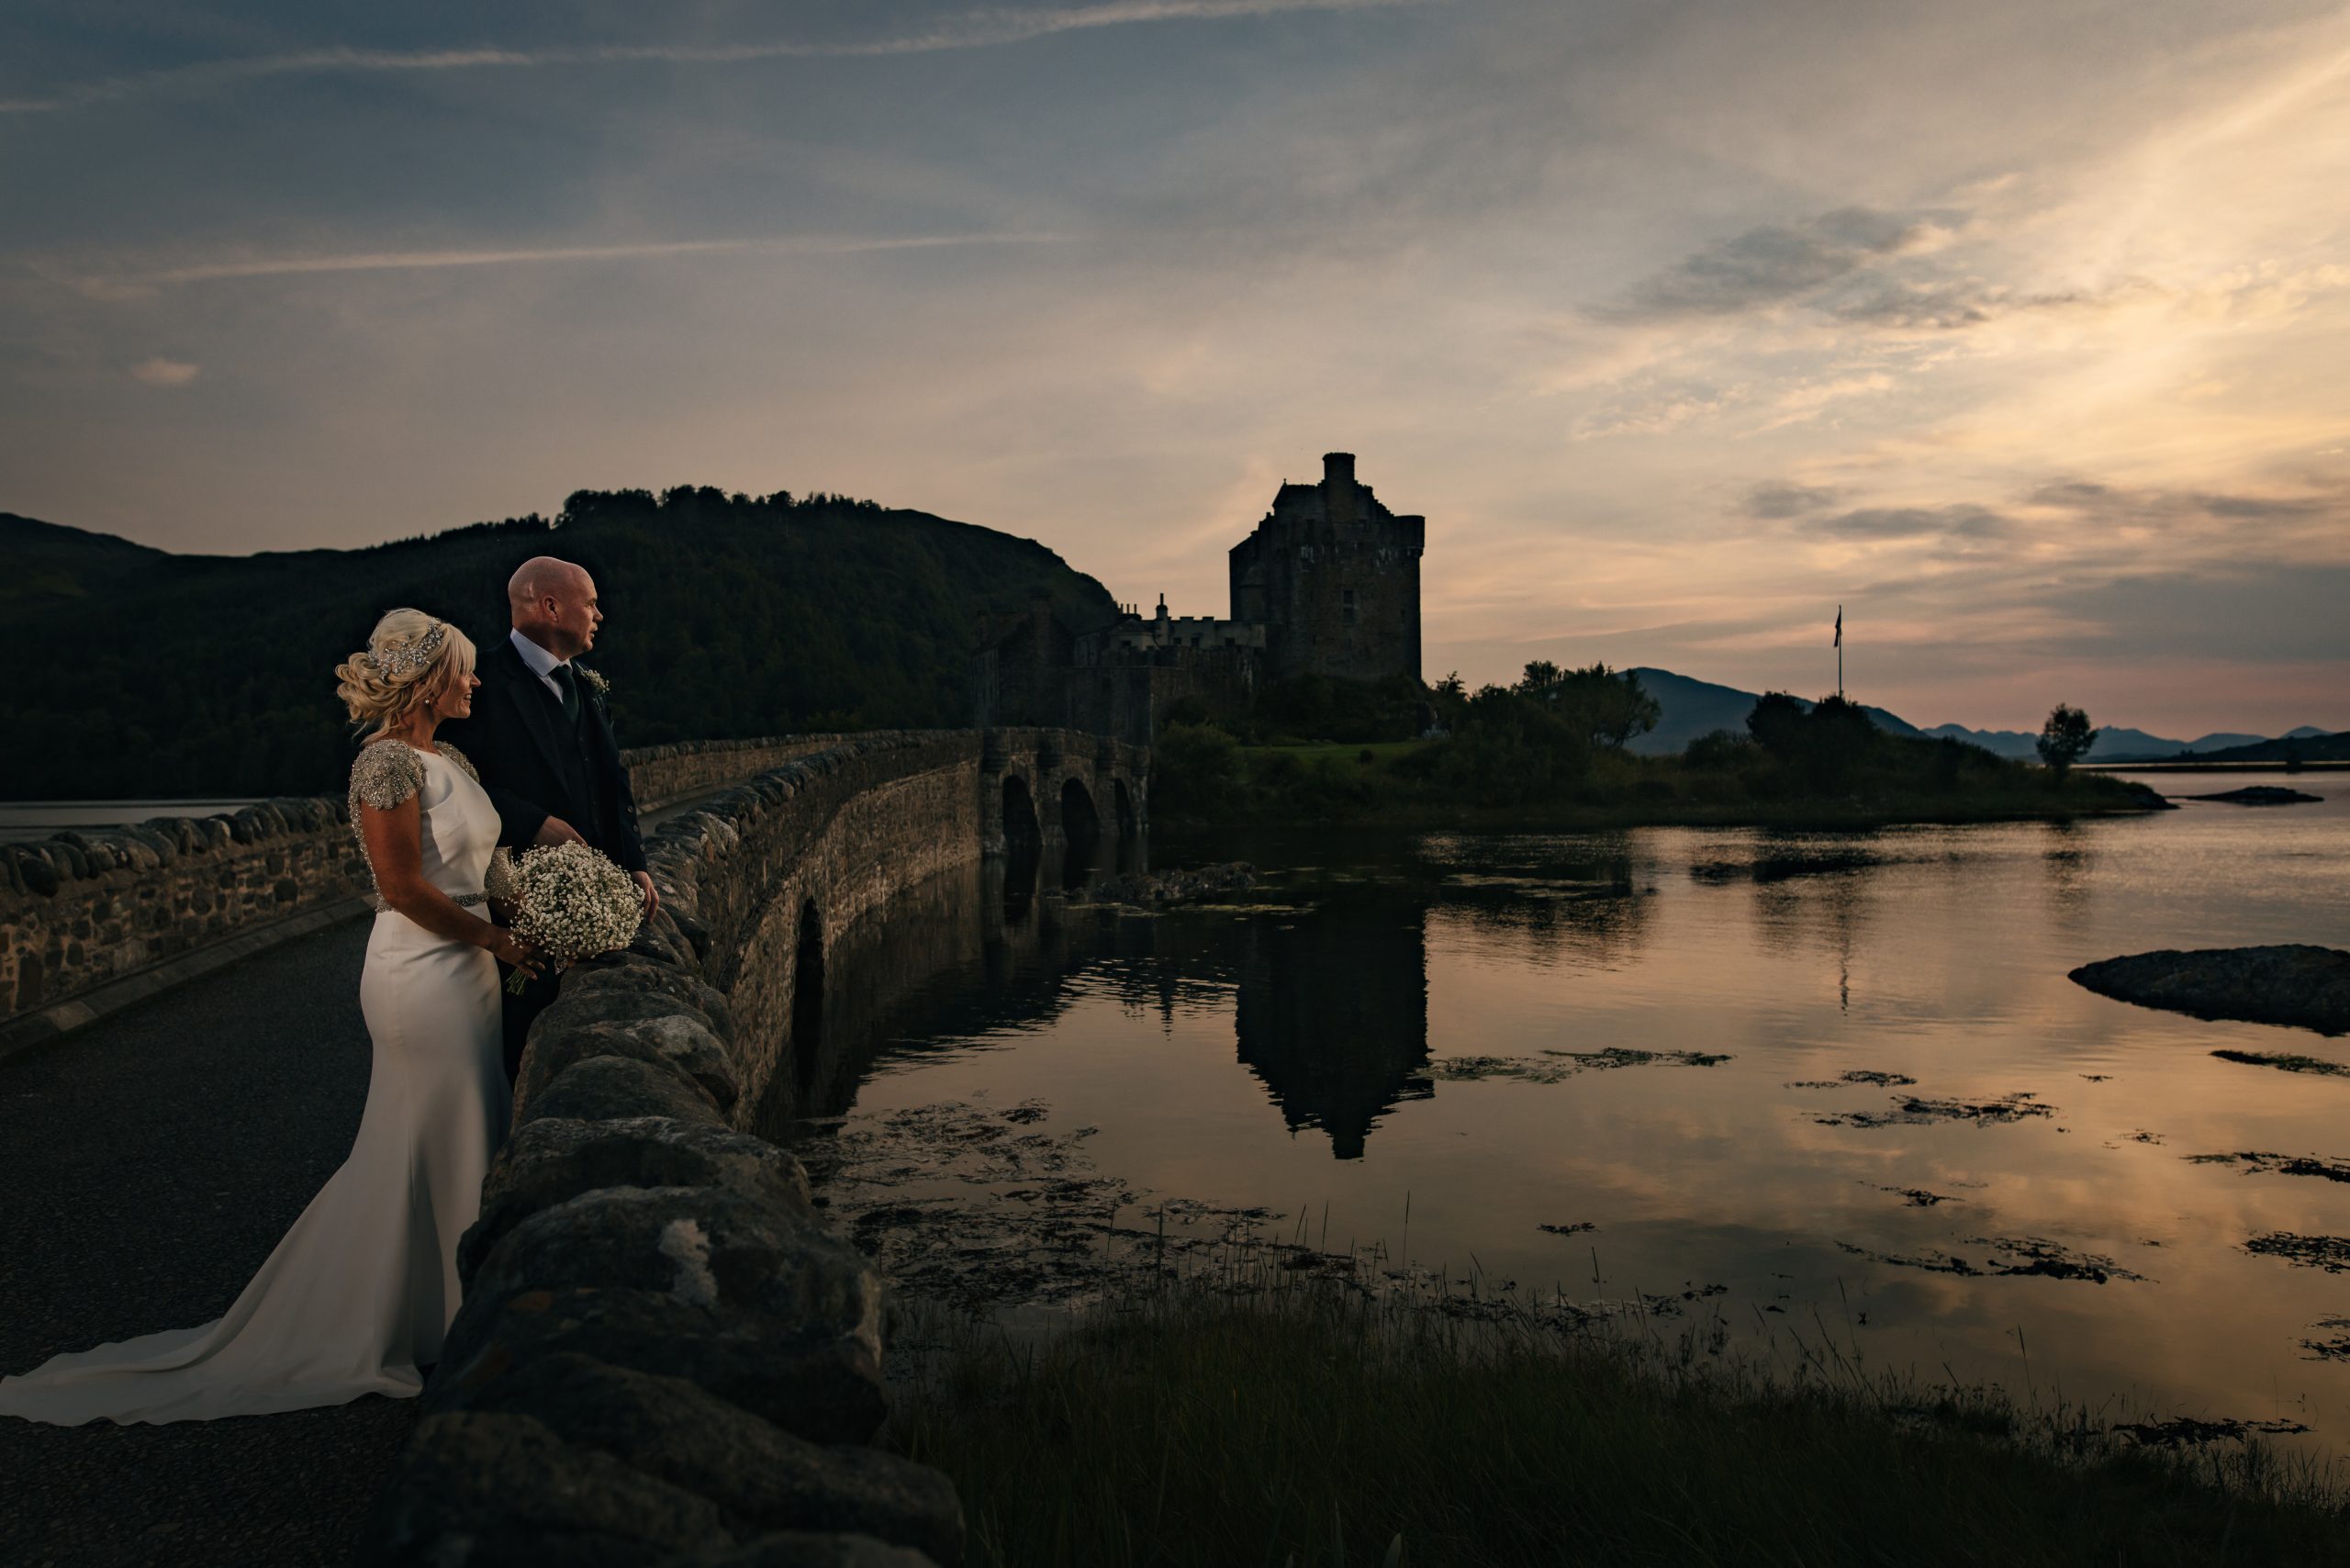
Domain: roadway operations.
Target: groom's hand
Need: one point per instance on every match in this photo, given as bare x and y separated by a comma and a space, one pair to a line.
652, 899
554, 830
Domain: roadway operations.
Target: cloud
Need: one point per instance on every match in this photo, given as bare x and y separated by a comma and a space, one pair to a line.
2111, 504
1774, 502
1781, 261
400, 261
162, 372
1960, 520
1943, 306
990, 28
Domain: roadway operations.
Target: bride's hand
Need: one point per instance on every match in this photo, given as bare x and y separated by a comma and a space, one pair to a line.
510, 949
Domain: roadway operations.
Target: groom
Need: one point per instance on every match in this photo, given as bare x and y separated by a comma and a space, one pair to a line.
544, 745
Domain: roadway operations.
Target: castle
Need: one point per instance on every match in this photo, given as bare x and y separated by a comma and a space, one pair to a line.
1328, 584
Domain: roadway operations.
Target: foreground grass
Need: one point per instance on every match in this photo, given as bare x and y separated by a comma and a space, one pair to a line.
1302, 1426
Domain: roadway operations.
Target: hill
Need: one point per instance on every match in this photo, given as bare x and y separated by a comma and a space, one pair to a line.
1693, 707
144, 673
2304, 744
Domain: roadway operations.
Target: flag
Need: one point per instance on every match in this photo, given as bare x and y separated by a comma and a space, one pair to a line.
1839, 626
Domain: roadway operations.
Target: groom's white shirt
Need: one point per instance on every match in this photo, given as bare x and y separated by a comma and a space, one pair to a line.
542, 664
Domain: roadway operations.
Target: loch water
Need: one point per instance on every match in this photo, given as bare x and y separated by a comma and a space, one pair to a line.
1819, 1087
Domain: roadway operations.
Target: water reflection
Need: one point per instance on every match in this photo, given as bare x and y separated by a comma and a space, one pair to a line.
1333, 1015
1323, 980
1822, 1072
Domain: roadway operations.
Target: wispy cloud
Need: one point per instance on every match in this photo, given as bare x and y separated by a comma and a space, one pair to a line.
162, 372
401, 261
990, 28
1780, 262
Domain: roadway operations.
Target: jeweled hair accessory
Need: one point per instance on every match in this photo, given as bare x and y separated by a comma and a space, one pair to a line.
402, 658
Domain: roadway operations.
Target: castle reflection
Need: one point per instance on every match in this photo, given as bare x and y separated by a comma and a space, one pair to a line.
1325, 978
1333, 1015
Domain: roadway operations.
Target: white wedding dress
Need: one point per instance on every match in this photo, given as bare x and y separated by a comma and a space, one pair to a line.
358, 1294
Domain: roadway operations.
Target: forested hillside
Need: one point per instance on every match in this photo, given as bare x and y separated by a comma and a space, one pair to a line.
134, 672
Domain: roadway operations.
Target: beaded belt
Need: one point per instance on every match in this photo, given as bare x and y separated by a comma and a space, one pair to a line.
463, 900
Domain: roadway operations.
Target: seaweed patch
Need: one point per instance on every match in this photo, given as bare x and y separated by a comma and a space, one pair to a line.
2331, 1253
2335, 1347
1910, 1110
2286, 1062
1841, 1080
2256, 1164
2185, 1431
1555, 1067
2011, 1256
1918, 1198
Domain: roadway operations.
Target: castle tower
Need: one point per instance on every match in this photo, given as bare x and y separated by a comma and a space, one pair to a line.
1335, 578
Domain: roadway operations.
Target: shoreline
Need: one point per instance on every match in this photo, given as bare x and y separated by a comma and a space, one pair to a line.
1606, 819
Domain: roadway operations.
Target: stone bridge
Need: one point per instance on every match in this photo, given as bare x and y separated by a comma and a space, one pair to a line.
769, 873
663, 1355
94, 919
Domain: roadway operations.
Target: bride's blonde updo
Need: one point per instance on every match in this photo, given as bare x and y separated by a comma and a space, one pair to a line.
410, 659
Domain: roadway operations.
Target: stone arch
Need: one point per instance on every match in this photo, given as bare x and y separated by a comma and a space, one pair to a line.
808, 1002
1081, 831
1123, 802
1022, 832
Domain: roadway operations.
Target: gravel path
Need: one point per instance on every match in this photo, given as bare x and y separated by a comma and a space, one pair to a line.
147, 1164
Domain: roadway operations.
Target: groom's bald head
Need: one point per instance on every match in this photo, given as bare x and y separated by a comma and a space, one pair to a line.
554, 604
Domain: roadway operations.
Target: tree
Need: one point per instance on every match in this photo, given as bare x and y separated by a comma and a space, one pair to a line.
1776, 723
2065, 738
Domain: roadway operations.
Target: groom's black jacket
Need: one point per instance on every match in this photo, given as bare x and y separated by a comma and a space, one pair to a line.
535, 763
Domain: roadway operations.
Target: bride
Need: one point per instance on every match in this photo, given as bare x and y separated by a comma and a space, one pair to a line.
357, 1296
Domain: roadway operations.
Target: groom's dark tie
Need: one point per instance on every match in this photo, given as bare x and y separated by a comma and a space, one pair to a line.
569, 685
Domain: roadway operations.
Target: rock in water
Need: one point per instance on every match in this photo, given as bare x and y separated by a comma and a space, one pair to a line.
2295, 984
1146, 889
2260, 795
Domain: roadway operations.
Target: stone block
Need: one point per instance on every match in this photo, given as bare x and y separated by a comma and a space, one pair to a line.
549, 1163
653, 942
626, 974
751, 1299
795, 1549
610, 1087
823, 1392
34, 870
761, 1477
481, 1489
678, 1041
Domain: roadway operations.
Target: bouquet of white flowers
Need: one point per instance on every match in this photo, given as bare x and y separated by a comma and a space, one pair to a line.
574, 905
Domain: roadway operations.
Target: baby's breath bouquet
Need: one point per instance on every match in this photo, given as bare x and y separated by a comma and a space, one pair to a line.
574, 903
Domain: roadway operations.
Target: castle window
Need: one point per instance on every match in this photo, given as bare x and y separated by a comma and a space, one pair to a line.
1347, 607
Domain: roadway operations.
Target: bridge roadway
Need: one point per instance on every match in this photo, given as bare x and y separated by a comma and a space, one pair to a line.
253, 1076
147, 1164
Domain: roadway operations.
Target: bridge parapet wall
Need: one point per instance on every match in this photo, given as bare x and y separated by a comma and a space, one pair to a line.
641, 1266
101, 907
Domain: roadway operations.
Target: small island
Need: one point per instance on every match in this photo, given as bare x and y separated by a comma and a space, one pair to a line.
2293, 984
1551, 751
2261, 795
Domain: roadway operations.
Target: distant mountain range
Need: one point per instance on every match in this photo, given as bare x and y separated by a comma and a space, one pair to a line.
1693, 707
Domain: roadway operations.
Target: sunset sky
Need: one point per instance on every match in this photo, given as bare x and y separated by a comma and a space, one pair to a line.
2022, 329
